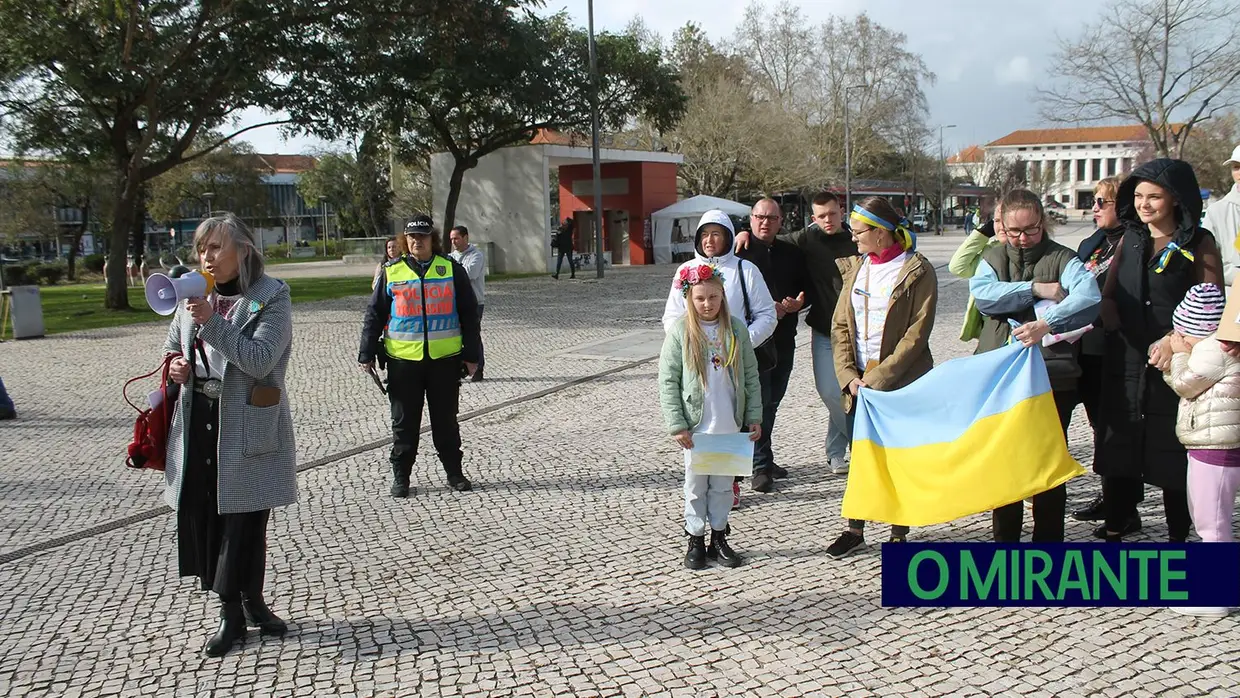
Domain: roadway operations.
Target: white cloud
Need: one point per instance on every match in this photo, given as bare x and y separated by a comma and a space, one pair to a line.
1016, 70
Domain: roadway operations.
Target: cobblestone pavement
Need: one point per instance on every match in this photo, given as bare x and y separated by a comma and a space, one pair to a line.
559, 576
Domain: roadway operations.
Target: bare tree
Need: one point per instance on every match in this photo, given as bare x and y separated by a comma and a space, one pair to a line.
1168, 65
778, 49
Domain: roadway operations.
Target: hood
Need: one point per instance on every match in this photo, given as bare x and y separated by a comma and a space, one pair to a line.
1178, 178
1233, 196
721, 218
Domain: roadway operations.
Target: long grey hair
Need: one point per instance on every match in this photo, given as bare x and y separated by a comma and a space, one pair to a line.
235, 232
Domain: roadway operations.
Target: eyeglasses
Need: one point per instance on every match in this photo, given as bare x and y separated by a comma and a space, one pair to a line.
1023, 232
767, 219
1099, 202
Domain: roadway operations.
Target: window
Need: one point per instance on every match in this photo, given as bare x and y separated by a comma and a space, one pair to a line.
1052, 147
1095, 169
1080, 170
1063, 198
1080, 147
1111, 162
1065, 170
1021, 149
1037, 147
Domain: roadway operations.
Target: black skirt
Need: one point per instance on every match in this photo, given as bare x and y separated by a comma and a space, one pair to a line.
227, 552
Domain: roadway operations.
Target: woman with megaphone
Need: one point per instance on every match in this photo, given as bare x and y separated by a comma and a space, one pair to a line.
231, 453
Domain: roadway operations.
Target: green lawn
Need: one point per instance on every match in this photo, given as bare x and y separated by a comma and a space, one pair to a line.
80, 306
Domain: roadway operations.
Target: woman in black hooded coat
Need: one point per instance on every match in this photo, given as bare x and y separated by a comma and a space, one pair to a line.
1153, 268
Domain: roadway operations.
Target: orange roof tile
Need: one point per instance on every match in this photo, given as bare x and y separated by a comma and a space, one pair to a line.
973, 153
1087, 134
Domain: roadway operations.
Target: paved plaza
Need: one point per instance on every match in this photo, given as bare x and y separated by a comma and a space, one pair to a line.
560, 575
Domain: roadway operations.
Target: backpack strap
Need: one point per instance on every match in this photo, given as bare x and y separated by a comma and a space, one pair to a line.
744, 291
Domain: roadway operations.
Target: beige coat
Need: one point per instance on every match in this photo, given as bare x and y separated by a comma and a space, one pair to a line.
1208, 383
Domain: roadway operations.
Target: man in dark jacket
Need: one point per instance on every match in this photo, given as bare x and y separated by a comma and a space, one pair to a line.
564, 248
820, 245
783, 267
423, 321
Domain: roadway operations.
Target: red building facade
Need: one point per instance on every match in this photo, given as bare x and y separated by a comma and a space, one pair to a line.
631, 191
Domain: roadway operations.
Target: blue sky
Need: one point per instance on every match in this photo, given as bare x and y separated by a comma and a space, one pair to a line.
988, 56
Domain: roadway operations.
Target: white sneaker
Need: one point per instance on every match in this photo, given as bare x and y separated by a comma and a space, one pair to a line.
1202, 611
839, 466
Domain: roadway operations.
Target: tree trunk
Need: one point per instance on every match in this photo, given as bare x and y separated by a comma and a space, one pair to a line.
77, 241
117, 294
454, 194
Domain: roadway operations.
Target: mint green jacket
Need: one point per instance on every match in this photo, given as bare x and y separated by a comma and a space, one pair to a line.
964, 264
681, 395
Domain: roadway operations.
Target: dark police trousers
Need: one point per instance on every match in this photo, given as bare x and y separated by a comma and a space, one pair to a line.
438, 383
1048, 506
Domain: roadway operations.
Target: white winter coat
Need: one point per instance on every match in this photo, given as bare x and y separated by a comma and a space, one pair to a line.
1223, 219
760, 302
1208, 383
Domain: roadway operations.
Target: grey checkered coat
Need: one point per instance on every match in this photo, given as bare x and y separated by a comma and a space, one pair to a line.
257, 458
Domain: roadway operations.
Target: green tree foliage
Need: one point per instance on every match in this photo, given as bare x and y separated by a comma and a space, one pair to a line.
231, 173
357, 186
32, 192
512, 74
138, 84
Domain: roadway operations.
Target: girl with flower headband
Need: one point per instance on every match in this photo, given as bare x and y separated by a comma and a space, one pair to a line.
708, 384
880, 332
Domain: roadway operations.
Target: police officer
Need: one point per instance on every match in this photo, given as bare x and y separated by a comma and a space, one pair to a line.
423, 322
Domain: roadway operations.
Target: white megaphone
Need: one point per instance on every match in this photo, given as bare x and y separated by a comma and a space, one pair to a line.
164, 293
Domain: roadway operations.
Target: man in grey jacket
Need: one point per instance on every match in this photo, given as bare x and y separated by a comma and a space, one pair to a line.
470, 257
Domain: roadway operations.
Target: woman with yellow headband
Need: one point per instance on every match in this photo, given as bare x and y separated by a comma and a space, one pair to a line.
1163, 252
880, 332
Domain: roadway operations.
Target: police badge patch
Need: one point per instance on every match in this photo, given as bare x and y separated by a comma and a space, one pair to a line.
441, 269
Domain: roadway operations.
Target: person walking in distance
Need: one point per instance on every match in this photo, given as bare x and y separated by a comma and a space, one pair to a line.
1009, 282
423, 322
391, 250
564, 248
783, 268
471, 257
821, 244
708, 384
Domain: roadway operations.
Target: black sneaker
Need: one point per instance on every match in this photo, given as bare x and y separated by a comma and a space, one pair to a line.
779, 473
847, 544
1091, 512
400, 488
763, 482
1133, 525
459, 483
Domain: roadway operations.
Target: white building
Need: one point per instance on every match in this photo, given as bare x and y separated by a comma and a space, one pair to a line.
1064, 164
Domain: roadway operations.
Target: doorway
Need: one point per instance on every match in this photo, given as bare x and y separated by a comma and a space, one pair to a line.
616, 223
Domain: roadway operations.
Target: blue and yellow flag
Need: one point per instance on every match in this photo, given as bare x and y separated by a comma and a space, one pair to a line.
969, 436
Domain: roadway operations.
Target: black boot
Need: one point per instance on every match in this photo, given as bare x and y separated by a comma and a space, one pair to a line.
1091, 512
259, 615
695, 559
232, 628
721, 551
400, 481
459, 482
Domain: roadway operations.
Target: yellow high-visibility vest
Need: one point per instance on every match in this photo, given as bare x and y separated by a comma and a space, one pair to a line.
423, 320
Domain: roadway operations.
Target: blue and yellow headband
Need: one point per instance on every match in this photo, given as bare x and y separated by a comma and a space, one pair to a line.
900, 230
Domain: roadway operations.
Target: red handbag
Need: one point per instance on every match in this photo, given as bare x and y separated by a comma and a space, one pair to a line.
150, 430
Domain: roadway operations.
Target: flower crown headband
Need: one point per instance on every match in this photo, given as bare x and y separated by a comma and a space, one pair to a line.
900, 230
689, 276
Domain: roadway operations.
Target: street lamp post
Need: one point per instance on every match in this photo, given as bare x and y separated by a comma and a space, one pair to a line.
598, 172
323, 204
208, 196
848, 153
942, 201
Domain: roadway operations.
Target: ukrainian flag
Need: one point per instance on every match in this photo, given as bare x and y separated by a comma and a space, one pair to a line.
969, 436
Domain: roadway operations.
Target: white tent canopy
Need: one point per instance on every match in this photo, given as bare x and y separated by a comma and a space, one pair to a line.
684, 215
